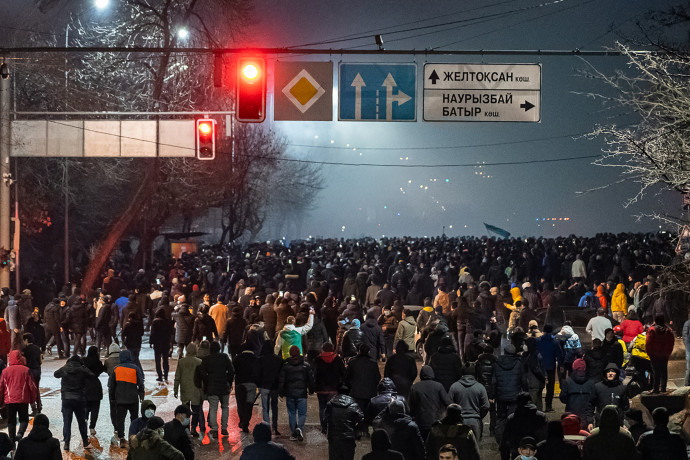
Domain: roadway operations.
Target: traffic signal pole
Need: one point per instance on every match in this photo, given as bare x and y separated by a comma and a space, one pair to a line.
5, 170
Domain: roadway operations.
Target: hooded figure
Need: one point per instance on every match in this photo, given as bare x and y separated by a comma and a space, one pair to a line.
402, 431
126, 389
610, 391
401, 368
572, 347
149, 444
471, 396
148, 410
446, 363
342, 418
352, 339
525, 421
39, 443
263, 447
381, 448
18, 388
577, 392
609, 441
555, 447
451, 430
507, 376
428, 399
386, 393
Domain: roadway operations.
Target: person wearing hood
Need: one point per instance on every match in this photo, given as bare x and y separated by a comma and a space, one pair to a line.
362, 376
234, 331
14, 323
176, 431
381, 448
204, 327
295, 382
263, 448
525, 421
189, 393
216, 374
571, 345
636, 425
659, 346
589, 300
51, 314
426, 316
292, 336
610, 391
609, 441
162, 332
595, 359
402, 430
428, 399
126, 389
39, 443
34, 326
401, 368
451, 430
533, 371
74, 378
432, 336
246, 377
446, 363
269, 373
612, 349
386, 393
343, 418
484, 373
33, 359
661, 444
372, 335
508, 383
93, 390
329, 372
406, 329
619, 303
471, 396
17, 391
551, 355
352, 340
150, 444
577, 392
555, 446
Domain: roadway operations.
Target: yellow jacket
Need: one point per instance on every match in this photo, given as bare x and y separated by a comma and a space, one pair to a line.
640, 346
619, 301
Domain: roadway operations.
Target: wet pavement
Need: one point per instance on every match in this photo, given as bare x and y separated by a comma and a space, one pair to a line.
314, 445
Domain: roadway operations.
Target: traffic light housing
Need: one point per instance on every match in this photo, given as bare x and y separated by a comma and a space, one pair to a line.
251, 90
205, 139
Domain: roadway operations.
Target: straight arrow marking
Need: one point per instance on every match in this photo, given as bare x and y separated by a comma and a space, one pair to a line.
358, 83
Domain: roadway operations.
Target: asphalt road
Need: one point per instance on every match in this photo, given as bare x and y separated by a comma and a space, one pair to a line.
314, 445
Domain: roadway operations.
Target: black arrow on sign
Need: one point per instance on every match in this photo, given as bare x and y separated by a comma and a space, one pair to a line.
433, 77
526, 105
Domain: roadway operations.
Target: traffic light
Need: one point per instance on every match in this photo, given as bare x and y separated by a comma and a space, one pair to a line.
205, 139
251, 90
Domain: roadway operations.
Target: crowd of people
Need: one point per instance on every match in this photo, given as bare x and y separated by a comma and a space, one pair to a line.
349, 321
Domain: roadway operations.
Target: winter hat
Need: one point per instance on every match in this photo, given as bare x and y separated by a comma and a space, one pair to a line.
294, 351
469, 369
510, 349
454, 413
446, 340
154, 423
355, 323
528, 441
195, 287
380, 440
579, 365
533, 323
113, 348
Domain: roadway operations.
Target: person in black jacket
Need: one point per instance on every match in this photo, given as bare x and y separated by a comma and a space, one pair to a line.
34, 359
402, 430
162, 331
661, 444
74, 376
217, 373
34, 326
246, 378
526, 420
51, 313
446, 363
577, 392
372, 335
362, 376
204, 327
329, 372
103, 314
94, 389
555, 447
132, 335
610, 391
39, 443
401, 368
263, 447
269, 372
508, 382
78, 319
64, 317
296, 379
351, 341
176, 432
381, 448
343, 417
234, 331
485, 375
428, 399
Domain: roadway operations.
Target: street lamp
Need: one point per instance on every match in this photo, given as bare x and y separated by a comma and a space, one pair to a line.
101, 4
182, 33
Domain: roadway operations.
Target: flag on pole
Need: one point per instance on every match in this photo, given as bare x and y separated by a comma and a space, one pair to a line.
498, 231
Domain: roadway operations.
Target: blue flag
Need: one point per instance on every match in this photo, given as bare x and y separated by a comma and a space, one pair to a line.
498, 231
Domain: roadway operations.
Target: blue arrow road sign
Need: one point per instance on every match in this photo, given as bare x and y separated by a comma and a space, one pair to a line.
377, 92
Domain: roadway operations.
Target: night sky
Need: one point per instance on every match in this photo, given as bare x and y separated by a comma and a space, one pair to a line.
399, 200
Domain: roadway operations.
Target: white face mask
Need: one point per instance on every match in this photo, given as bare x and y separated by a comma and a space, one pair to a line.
162, 432
185, 422
148, 413
387, 312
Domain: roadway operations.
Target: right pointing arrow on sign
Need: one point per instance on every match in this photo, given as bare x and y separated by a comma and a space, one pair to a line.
526, 105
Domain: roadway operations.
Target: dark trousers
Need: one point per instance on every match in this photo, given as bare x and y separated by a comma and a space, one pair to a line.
54, 336
660, 373
92, 410
135, 356
341, 450
21, 409
79, 343
503, 409
550, 384
36, 374
324, 397
363, 404
245, 403
77, 408
65, 342
161, 356
103, 339
198, 419
122, 410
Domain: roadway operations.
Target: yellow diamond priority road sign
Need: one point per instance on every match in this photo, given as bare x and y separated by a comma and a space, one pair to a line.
303, 91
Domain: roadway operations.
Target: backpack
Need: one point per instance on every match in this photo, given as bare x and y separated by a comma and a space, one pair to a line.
589, 302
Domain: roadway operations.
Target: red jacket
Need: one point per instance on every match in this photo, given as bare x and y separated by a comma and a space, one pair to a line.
5, 338
631, 329
660, 341
16, 384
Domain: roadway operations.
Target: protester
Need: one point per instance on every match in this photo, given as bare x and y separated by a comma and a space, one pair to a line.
268, 380
451, 430
217, 374
39, 443
17, 390
162, 332
246, 377
659, 346
74, 380
33, 358
176, 432
93, 390
402, 430
148, 410
362, 376
471, 396
329, 373
189, 393
428, 399
263, 448
149, 443
661, 444
555, 447
609, 441
126, 389
381, 448
342, 418
296, 380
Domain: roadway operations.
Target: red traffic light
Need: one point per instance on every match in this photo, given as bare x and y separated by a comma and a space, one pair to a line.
206, 139
251, 90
